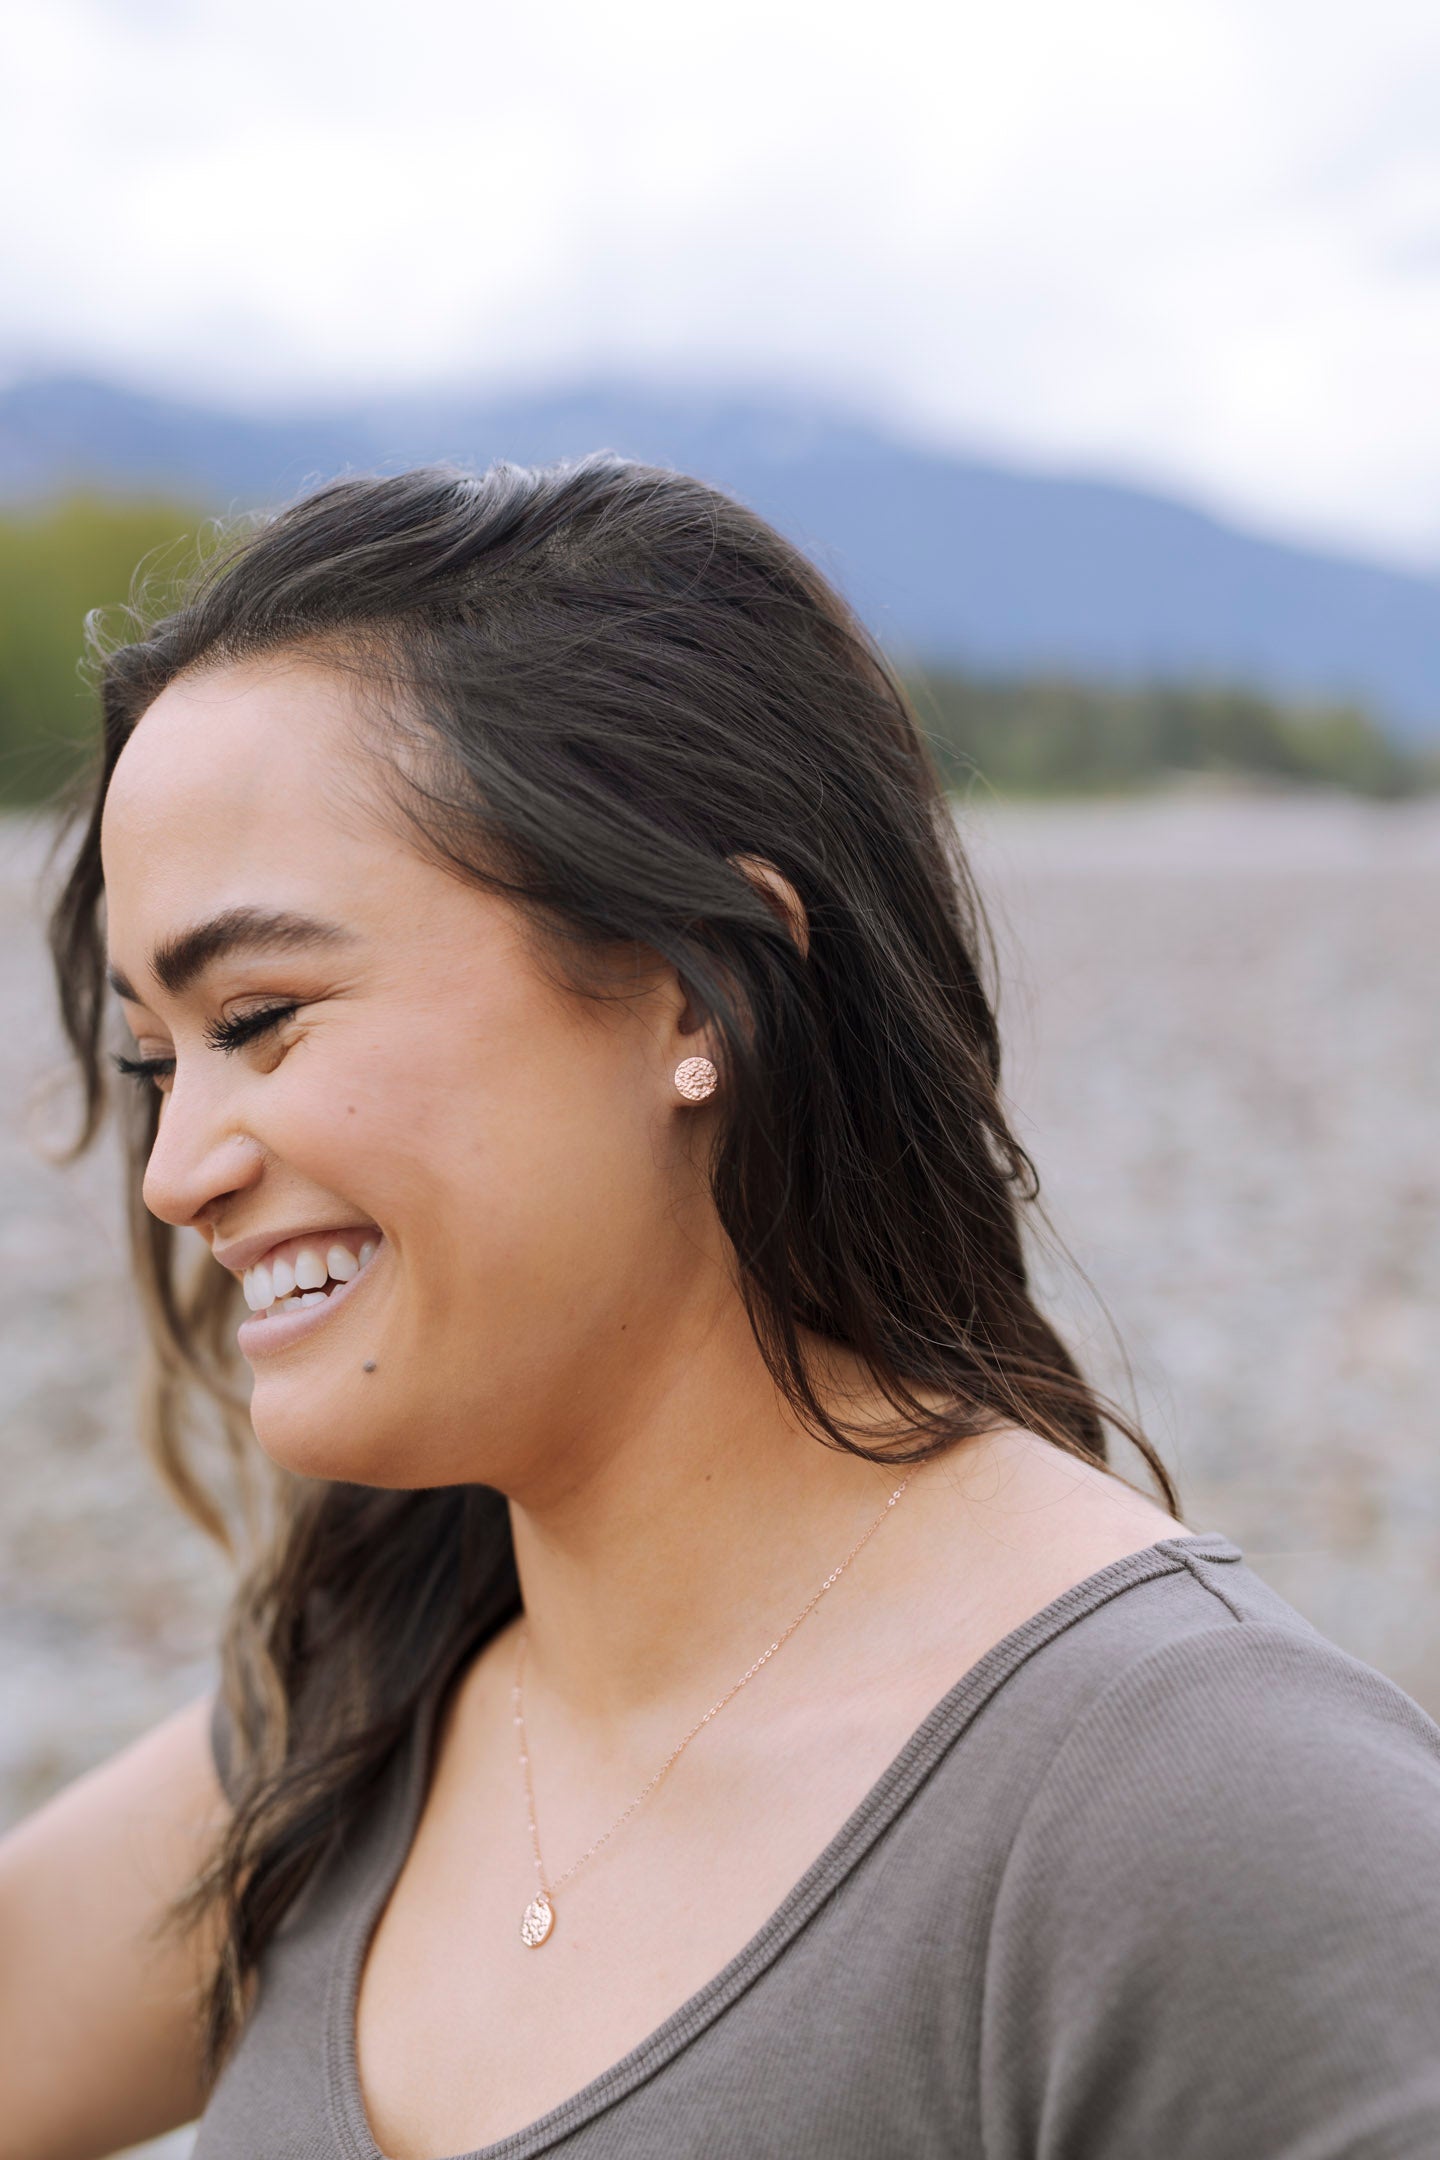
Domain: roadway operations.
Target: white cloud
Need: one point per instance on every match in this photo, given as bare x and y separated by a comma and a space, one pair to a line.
1194, 241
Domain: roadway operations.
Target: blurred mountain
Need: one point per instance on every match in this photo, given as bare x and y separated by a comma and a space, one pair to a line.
953, 561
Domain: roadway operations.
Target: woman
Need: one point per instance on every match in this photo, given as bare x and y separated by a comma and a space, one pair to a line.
701, 1688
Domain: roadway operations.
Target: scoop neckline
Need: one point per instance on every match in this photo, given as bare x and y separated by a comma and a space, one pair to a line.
937, 1731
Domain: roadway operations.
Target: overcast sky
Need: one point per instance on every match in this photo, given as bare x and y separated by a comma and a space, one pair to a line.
1190, 242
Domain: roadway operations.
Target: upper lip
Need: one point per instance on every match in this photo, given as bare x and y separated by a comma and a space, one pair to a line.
245, 1252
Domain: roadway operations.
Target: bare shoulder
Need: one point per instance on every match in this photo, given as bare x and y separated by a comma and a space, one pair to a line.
99, 2005
1014, 1480
1013, 1522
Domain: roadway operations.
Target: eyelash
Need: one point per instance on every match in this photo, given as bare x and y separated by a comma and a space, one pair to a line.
219, 1034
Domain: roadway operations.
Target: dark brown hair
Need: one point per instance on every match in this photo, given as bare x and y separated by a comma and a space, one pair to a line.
616, 678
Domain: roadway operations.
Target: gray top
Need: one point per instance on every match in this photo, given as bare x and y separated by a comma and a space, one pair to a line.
1159, 1876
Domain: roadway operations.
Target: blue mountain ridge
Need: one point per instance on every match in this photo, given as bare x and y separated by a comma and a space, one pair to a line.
951, 560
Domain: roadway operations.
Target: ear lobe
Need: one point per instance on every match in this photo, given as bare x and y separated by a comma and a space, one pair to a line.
778, 894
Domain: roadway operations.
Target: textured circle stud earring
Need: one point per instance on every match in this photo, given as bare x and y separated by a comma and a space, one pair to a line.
696, 1078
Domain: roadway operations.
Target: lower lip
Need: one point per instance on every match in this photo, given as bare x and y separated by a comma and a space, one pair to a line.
260, 1335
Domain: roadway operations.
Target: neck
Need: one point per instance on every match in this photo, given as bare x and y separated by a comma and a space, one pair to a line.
676, 1554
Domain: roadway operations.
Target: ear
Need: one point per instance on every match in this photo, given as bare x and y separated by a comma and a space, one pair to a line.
784, 902
779, 894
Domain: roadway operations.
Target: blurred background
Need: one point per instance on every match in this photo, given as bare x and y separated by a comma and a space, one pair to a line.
1092, 353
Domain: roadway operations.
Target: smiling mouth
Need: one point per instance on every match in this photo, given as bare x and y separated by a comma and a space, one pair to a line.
307, 1272
299, 1312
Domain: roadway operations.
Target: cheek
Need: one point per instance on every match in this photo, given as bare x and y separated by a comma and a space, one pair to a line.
538, 1183
523, 1204
353, 1118
494, 1161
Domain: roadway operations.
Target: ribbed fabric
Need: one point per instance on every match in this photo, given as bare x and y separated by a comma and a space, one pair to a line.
1158, 1879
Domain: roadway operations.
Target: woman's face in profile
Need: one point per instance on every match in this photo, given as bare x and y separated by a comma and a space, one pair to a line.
515, 1147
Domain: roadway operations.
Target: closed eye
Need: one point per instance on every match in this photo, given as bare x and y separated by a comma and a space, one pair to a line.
230, 1034
219, 1034
142, 1068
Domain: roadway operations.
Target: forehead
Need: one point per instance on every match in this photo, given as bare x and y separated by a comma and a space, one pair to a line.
251, 787
258, 760
247, 788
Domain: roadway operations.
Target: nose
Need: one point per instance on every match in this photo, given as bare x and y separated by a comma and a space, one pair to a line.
199, 1156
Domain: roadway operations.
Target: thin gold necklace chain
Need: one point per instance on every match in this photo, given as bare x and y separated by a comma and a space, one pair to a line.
539, 1914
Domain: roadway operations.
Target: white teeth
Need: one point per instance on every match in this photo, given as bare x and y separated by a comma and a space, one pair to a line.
281, 1285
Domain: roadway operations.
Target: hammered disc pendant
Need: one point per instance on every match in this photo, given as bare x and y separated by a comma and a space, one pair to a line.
538, 1921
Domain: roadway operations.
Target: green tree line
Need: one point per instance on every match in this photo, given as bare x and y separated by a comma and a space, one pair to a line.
57, 563
1049, 735
1052, 735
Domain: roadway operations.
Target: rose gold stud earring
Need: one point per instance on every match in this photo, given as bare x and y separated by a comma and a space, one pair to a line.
696, 1078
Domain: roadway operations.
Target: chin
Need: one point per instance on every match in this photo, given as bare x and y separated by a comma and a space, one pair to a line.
310, 1435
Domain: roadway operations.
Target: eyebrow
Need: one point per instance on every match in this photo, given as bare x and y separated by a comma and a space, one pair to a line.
178, 962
